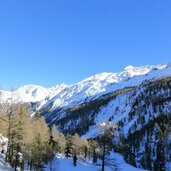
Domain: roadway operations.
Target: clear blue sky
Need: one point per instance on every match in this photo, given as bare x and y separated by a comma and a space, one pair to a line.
47, 42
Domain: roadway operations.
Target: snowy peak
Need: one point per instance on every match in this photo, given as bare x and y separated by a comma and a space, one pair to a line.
27, 93
100, 84
69, 94
128, 72
31, 89
131, 71
31, 93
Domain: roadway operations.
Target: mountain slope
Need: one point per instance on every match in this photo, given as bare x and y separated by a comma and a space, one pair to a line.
64, 164
77, 92
95, 86
30, 93
142, 114
138, 100
140, 106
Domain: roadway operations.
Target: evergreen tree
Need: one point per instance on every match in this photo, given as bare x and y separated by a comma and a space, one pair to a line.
108, 133
76, 147
68, 146
40, 145
10, 134
56, 143
20, 134
93, 150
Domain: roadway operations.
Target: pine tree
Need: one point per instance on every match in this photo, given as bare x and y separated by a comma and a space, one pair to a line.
58, 139
93, 150
56, 143
10, 134
68, 146
20, 134
84, 147
40, 145
108, 133
76, 147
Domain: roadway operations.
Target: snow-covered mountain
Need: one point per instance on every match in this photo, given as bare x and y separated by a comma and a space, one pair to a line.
30, 93
137, 99
96, 86
139, 104
69, 95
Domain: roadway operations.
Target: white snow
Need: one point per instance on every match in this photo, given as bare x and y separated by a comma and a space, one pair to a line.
64, 96
61, 163
30, 93
3, 165
95, 86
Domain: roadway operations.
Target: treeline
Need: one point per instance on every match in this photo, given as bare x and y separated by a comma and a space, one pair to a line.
32, 144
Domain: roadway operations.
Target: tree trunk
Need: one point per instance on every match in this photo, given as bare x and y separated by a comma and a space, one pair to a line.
22, 165
31, 164
75, 160
16, 158
85, 152
94, 156
103, 156
51, 165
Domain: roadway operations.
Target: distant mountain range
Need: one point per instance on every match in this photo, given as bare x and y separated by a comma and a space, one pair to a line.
92, 87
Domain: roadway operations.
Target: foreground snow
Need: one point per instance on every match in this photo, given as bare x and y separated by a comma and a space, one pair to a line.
3, 165
61, 163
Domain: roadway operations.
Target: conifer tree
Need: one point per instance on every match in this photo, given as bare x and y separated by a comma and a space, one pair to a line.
56, 143
19, 137
40, 144
68, 146
10, 134
76, 146
93, 150
108, 133
58, 139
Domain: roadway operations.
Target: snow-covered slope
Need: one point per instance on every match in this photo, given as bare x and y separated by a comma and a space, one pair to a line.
66, 96
30, 93
140, 108
95, 86
101, 84
3, 145
61, 163
63, 95
3, 165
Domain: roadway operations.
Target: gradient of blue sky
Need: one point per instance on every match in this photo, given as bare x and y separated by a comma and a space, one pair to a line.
48, 42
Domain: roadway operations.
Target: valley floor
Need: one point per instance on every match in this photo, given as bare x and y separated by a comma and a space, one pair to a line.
61, 163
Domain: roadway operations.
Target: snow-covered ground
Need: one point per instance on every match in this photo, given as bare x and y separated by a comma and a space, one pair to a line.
61, 163
3, 165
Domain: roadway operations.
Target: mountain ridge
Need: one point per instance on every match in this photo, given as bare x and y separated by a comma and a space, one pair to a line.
35, 93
